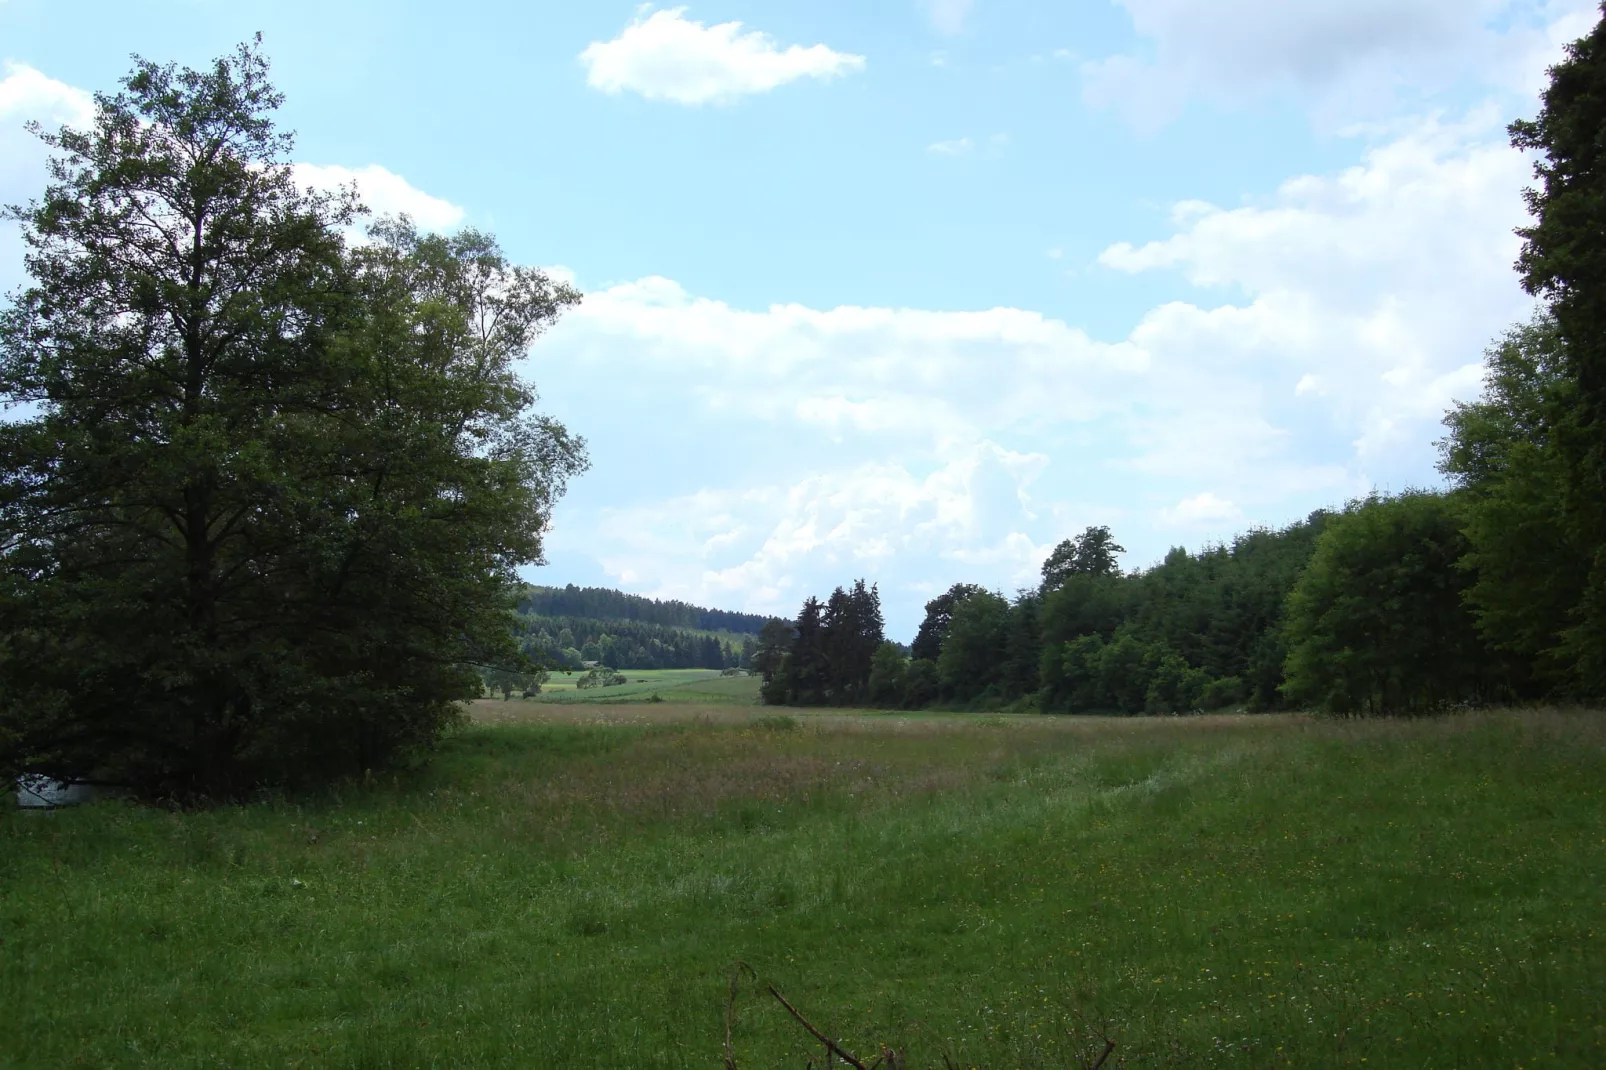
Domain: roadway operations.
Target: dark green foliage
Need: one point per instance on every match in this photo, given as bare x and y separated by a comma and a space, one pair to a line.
970, 666
1124, 671
623, 644
852, 633
1378, 622
1175, 686
269, 506
1196, 631
1526, 559
889, 676
1218, 694
1023, 647
1091, 553
921, 684
934, 628
1564, 261
1082, 606
1205, 617
832, 652
600, 676
602, 603
774, 641
805, 667
508, 681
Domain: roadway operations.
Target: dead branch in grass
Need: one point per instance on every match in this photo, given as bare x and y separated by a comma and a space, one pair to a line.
889, 1059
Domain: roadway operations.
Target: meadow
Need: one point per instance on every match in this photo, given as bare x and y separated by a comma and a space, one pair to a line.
568, 885
670, 685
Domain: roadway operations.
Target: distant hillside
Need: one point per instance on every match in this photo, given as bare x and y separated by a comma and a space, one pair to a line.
603, 603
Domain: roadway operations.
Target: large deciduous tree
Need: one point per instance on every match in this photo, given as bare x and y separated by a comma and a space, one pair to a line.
1092, 553
939, 614
1503, 455
261, 514
1564, 261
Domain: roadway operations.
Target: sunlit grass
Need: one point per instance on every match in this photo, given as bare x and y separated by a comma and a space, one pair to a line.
669, 685
1209, 891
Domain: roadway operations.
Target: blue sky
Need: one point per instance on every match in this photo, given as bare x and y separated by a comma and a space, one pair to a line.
913, 290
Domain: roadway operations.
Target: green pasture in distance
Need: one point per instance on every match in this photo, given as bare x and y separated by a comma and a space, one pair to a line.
1003, 893
671, 685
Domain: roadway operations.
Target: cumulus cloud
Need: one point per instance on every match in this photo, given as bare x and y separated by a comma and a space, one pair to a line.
956, 147
764, 549
384, 192
1204, 508
1373, 290
1340, 316
662, 55
1346, 56
27, 94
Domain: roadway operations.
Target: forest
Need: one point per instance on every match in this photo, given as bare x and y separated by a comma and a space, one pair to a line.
604, 603
571, 642
1486, 592
567, 628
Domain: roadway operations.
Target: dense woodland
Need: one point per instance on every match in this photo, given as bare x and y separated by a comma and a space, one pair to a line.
572, 642
602, 603
570, 627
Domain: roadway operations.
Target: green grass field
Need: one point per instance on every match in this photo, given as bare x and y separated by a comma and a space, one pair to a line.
670, 685
568, 887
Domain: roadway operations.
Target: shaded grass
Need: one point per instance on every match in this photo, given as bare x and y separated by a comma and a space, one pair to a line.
1214, 891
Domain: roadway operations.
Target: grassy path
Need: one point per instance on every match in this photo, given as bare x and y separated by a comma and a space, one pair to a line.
1208, 891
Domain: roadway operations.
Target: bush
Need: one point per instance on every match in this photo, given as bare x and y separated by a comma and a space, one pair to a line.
920, 684
1227, 691
889, 676
601, 676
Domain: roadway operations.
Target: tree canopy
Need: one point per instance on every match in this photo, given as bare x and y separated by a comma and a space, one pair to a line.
260, 520
1563, 262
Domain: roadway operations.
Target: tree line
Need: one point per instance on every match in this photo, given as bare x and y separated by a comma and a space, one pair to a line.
1393, 604
569, 643
603, 603
1493, 590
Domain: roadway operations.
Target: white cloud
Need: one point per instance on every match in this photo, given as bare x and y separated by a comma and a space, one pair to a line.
1201, 509
948, 16
921, 447
956, 147
662, 55
26, 94
1348, 57
764, 549
1374, 289
29, 96
384, 192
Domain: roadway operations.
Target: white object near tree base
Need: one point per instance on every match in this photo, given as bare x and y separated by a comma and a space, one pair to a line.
38, 792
